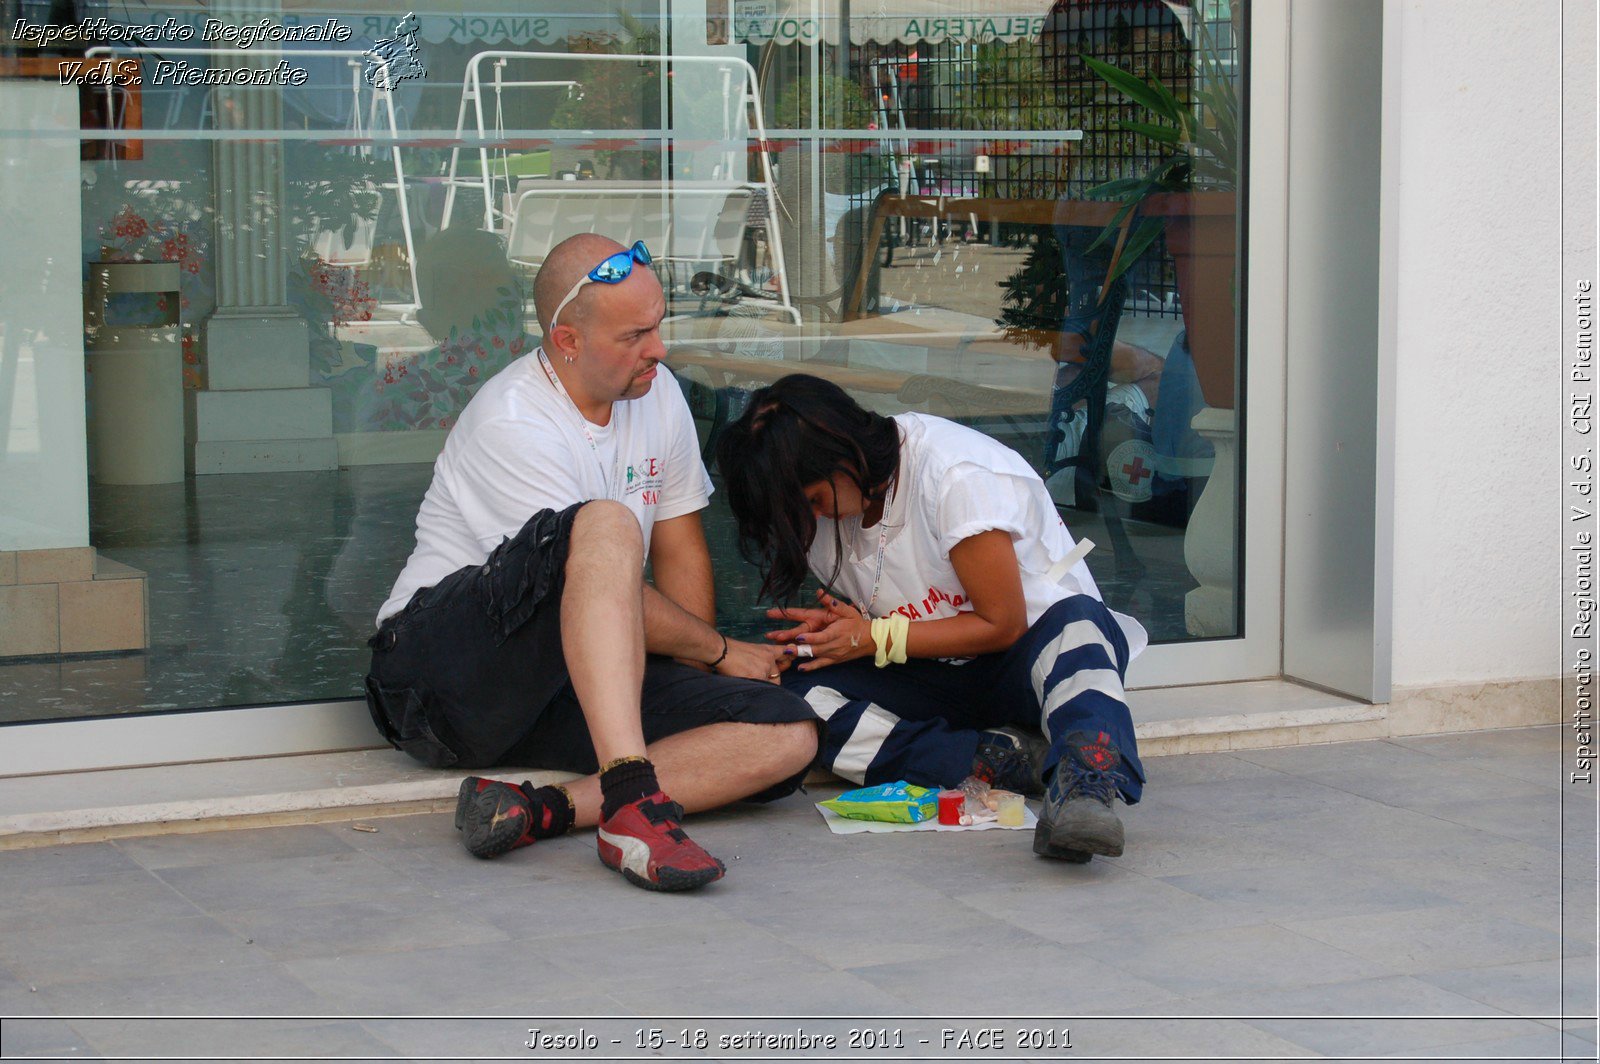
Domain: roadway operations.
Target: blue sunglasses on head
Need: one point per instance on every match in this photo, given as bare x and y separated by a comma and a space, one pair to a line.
613, 270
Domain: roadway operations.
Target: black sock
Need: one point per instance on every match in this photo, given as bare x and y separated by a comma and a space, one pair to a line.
552, 810
626, 782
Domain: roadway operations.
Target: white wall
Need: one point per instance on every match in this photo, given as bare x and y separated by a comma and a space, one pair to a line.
44, 482
1472, 174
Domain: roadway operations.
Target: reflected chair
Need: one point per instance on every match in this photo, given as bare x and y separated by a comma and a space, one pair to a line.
707, 226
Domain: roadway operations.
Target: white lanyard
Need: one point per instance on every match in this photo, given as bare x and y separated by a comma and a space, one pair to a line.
583, 426
883, 542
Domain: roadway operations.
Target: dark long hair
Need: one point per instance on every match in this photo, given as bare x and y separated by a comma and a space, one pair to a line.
797, 431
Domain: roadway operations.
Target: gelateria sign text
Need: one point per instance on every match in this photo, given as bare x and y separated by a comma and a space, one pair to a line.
754, 25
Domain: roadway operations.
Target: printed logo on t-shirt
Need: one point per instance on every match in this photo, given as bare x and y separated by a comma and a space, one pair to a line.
645, 476
929, 606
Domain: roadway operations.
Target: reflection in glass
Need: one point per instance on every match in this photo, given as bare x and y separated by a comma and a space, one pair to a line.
927, 209
1028, 224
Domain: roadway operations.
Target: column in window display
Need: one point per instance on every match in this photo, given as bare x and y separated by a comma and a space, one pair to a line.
257, 413
50, 598
801, 187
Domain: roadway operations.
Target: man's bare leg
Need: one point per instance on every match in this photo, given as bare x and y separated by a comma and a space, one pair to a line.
708, 767
602, 626
603, 642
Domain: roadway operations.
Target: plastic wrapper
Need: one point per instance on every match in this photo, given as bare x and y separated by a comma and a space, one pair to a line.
982, 800
897, 803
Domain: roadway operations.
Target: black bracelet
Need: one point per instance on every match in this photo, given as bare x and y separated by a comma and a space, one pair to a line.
724, 653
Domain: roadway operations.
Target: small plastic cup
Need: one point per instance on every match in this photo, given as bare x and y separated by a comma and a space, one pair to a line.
951, 805
1012, 811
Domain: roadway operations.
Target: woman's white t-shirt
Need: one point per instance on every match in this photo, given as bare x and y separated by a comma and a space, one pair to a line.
953, 483
520, 447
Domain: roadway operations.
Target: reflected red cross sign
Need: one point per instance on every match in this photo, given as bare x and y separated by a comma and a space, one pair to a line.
1137, 472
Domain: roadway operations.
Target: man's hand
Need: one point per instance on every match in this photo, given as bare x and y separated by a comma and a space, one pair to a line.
752, 661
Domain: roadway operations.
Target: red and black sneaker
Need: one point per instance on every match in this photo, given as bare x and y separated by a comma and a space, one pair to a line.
643, 841
495, 817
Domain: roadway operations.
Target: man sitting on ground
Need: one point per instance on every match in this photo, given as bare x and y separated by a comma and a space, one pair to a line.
521, 631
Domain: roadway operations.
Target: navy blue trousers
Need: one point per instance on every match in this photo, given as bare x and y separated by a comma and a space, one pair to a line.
920, 721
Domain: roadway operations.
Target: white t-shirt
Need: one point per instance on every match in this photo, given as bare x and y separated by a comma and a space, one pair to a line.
953, 483
519, 448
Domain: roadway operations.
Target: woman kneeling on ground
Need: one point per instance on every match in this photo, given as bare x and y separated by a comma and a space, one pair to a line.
957, 620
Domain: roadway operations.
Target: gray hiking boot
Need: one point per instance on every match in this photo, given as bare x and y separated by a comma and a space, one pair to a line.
1078, 821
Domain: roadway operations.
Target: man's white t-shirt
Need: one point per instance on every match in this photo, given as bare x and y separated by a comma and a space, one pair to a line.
953, 483
520, 447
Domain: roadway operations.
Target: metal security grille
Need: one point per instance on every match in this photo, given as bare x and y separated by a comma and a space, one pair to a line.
1039, 85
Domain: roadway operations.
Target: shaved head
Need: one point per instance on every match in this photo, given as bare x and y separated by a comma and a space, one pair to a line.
606, 343
566, 264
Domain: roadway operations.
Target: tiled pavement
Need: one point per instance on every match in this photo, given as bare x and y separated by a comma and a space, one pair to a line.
1425, 877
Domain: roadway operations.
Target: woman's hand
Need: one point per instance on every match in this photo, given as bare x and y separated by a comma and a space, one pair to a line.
831, 633
810, 620
985, 563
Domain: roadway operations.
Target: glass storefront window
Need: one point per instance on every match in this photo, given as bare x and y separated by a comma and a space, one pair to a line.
289, 291
960, 173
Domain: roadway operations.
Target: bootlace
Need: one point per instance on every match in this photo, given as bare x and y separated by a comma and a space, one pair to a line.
1093, 783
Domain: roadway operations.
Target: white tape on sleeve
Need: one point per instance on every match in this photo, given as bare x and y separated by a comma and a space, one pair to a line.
1065, 565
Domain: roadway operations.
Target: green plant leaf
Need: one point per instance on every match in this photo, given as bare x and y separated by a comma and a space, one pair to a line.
1143, 235
1132, 87
1210, 142
1171, 107
1109, 233
1160, 134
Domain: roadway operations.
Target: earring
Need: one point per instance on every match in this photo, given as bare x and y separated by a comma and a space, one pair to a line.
568, 359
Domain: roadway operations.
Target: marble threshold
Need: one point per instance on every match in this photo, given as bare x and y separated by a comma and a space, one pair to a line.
45, 810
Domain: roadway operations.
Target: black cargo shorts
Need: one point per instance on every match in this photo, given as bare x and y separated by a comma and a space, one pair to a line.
470, 673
